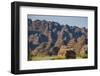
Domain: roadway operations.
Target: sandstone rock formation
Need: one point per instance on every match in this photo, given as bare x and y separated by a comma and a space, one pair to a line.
49, 38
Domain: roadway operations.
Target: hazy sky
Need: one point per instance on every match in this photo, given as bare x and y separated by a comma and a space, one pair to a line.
70, 20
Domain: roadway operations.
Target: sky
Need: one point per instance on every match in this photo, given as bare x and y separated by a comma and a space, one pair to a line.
70, 20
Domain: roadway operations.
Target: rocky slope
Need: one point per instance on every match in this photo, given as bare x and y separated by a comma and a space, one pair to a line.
51, 38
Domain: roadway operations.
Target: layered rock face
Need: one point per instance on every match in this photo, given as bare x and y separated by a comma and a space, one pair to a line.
48, 38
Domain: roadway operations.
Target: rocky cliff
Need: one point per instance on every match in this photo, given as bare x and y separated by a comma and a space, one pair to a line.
52, 38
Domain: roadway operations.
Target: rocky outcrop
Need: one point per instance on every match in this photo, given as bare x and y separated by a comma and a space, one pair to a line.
51, 38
